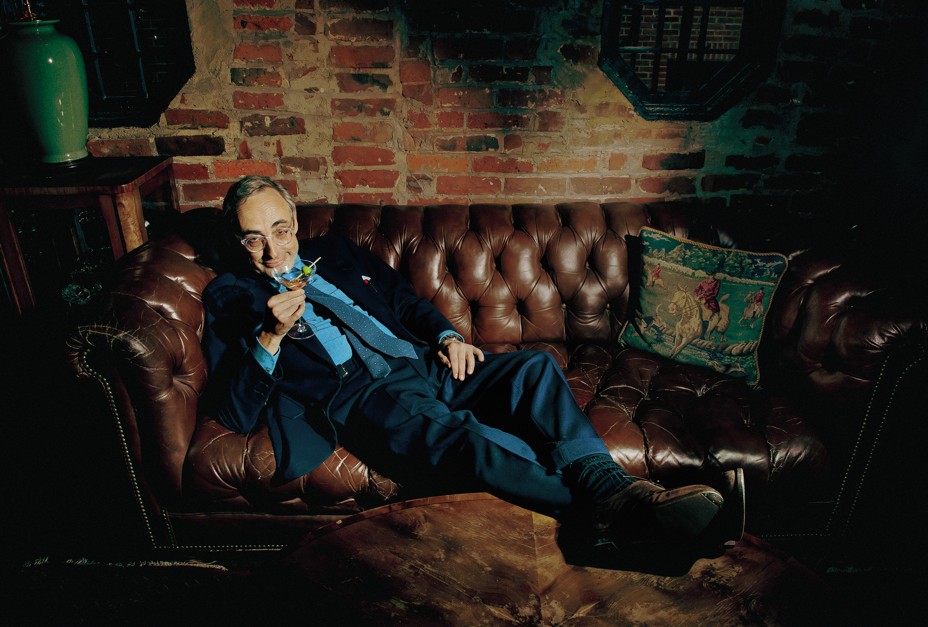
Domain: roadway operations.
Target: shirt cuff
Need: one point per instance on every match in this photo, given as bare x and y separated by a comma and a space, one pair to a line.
267, 361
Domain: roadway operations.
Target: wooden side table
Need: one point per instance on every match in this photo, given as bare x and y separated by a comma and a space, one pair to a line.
114, 185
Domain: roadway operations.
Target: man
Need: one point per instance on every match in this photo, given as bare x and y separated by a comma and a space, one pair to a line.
707, 293
411, 398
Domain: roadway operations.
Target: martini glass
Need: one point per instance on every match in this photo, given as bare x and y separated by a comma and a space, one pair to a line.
295, 278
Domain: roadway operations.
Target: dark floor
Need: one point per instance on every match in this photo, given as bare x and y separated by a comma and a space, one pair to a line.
60, 493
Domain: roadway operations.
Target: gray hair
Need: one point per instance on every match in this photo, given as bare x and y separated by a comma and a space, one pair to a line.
245, 188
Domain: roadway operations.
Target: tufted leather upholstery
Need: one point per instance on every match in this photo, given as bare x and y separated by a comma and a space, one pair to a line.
545, 277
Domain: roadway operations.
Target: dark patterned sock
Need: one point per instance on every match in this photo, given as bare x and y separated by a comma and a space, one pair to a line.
597, 477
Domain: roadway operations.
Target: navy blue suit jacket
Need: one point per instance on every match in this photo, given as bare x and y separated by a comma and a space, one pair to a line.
295, 398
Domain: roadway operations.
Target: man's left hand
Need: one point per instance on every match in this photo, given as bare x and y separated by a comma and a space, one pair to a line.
461, 357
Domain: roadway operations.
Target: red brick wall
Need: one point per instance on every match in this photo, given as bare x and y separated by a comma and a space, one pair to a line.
379, 101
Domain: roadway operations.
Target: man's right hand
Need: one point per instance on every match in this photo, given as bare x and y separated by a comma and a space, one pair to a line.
283, 310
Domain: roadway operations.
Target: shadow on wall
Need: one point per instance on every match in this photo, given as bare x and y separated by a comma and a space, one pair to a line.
881, 156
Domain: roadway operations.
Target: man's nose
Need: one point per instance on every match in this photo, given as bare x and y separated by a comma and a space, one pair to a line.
271, 250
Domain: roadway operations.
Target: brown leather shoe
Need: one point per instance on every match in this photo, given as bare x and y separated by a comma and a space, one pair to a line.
647, 512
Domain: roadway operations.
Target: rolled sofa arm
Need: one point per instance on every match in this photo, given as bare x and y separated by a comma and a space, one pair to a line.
139, 345
834, 327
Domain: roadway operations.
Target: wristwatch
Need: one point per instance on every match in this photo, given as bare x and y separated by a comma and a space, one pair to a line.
451, 337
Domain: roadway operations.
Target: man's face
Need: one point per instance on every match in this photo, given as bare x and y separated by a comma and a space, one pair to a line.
262, 214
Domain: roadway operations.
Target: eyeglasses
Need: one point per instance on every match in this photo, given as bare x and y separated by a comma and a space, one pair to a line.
281, 236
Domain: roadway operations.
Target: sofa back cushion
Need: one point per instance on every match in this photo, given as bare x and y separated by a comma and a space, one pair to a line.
503, 274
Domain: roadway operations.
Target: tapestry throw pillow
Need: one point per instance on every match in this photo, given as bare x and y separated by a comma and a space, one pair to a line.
701, 304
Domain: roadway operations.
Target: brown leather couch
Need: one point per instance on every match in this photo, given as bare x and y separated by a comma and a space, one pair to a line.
842, 355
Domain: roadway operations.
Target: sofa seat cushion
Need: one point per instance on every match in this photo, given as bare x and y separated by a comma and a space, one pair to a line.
228, 471
671, 422
678, 423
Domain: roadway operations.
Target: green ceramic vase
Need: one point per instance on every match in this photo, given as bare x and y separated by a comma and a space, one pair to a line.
48, 80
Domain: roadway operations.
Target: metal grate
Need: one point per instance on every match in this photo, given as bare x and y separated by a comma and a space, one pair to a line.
674, 56
674, 46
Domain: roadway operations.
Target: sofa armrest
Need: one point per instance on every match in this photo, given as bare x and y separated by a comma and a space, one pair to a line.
833, 327
140, 345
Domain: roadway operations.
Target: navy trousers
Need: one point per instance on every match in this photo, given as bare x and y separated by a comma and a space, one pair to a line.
509, 428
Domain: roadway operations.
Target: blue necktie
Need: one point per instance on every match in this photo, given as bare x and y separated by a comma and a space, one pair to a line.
363, 333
